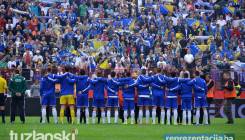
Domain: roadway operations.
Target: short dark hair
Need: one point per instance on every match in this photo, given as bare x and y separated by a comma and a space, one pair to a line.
128, 74
143, 71
186, 75
82, 72
173, 74
17, 71
49, 70
99, 73
67, 68
197, 73
113, 74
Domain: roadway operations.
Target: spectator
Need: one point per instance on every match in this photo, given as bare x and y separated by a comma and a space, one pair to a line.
189, 59
27, 56
12, 63
161, 63
82, 34
35, 89
37, 57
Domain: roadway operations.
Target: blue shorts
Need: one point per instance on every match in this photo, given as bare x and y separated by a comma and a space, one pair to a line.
112, 102
48, 100
98, 103
172, 103
143, 101
128, 104
158, 100
186, 103
200, 102
82, 100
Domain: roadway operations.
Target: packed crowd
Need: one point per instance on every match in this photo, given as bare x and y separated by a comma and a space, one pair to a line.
178, 37
120, 34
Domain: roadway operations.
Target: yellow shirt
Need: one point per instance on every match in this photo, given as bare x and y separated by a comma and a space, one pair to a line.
3, 85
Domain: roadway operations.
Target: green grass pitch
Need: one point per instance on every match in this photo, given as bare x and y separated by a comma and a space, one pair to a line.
121, 131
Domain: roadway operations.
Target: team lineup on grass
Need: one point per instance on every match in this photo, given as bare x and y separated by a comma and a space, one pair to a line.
122, 132
155, 90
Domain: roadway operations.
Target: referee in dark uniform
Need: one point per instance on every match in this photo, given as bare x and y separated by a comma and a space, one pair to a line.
3, 97
17, 87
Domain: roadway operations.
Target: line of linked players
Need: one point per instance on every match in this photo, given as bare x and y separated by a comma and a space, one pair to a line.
152, 91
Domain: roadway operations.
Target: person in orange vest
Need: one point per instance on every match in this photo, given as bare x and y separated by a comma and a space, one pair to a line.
210, 94
230, 95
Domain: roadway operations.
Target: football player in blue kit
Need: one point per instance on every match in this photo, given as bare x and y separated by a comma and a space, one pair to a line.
172, 84
98, 85
200, 101
47, 93
186, 86
144, 95
113, 101
158, 95
128, 92
82, 101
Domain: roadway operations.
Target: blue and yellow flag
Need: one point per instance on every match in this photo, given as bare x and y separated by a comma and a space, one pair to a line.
166, 9
75, 52
203, 47
229, 9
105, 64
191, 22
132, 25
97, 43
126, 22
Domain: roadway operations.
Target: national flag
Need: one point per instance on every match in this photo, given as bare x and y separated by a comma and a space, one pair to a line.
126, 22
194, 49
203, 47
132, 25
166, 9
97, 43
105, 64
191, 22
179, 36
74, 52
229, 9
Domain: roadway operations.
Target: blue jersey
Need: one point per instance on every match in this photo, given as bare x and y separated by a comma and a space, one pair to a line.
47, 85
158, 84
62, 16
200, 87
112, 88
70, 36
72, 17
172, 85
98, 85
82, 84
143, 86
129, 90
186, 87
67, 83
